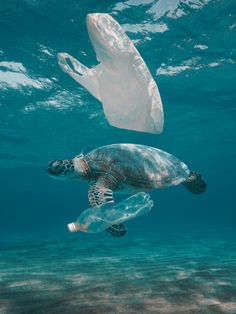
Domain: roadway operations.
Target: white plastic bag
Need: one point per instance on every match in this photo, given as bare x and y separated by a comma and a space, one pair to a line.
121, 81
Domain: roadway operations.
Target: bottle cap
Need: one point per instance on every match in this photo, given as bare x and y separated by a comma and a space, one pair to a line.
73, 227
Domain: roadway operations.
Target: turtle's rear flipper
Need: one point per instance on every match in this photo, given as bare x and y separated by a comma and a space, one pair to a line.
118, 230
194, 183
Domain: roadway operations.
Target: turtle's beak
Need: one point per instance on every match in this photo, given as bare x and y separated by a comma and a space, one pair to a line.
55, 167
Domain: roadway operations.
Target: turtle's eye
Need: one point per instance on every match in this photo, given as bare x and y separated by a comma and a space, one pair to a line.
55, 167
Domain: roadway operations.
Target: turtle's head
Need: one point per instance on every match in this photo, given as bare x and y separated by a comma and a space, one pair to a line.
68, 169
61, 169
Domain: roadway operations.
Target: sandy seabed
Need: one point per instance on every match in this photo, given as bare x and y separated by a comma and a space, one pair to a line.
99, 274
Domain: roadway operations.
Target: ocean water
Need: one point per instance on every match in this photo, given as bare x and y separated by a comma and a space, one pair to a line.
180, 257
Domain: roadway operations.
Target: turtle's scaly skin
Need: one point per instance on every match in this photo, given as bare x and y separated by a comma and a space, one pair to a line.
136, 167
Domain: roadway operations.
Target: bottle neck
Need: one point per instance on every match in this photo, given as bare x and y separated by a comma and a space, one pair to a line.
76, 227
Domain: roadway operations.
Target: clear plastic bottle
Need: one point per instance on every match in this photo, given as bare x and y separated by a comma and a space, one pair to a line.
97, 219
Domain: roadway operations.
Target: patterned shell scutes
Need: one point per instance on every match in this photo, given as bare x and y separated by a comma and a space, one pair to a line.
137, 165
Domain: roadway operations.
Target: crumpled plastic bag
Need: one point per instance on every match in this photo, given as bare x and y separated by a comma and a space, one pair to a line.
121, 81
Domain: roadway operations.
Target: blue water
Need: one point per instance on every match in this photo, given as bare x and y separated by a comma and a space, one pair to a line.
179, 258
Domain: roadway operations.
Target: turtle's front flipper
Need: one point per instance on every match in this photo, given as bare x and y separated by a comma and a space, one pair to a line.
118, 230
101, 193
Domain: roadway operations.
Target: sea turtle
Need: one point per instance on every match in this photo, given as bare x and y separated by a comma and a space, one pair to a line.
125, 168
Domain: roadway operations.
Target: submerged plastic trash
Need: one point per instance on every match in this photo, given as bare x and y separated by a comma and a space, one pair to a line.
97, 219
121, 81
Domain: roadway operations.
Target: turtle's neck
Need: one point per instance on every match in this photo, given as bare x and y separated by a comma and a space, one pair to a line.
81, 167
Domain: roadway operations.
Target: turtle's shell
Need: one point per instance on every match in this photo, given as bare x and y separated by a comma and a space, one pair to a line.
137, 166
